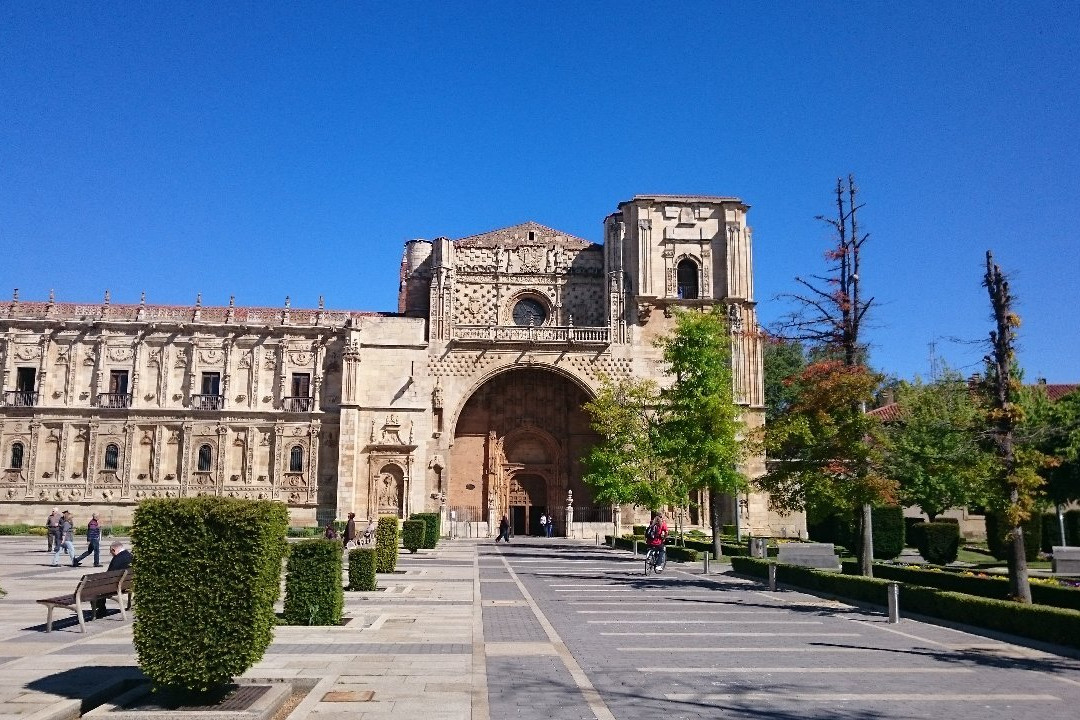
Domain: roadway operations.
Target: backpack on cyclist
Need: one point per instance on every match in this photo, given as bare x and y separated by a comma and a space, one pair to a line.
652, 532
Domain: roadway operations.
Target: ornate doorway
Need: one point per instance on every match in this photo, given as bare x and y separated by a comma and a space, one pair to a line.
518, 443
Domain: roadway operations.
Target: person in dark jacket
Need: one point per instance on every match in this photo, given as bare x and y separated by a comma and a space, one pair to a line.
330, 533
350, 530
121, 560
50, 527
64, 539
504, 529
93, 541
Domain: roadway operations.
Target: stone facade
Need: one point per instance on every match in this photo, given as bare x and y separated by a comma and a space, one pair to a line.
467, 398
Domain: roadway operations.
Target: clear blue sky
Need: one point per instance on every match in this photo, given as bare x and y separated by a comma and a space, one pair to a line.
291, 148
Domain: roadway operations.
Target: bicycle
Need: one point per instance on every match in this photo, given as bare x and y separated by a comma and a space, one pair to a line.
651, 557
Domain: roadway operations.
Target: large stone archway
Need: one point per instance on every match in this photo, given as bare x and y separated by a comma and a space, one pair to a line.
518, 444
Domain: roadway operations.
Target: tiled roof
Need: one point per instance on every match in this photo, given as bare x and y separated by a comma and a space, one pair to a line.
526, 234
891, 412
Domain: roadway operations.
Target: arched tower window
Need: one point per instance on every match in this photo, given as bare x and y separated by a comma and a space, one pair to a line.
296, 459
687, 277
206, 458
16, 456
112, 457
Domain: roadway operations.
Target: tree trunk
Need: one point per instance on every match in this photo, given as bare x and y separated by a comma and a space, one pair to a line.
714, 521
866, 557
1019, 586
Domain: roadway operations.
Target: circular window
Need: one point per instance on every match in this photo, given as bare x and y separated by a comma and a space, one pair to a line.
529, 312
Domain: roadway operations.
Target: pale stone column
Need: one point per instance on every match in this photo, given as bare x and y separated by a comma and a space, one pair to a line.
185, 457
125, 469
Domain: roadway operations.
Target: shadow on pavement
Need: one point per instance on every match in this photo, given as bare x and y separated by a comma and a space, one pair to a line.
91, 685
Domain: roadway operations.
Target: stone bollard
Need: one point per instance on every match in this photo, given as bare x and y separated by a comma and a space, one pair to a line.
772, 577
706, 559
635, 548
894, 603
597, 539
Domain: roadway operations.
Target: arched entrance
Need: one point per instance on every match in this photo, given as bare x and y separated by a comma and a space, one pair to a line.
518, 444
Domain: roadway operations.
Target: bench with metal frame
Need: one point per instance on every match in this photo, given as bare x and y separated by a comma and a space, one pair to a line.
91, 588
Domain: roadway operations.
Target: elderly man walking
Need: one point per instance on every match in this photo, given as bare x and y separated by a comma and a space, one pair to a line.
93, 541
65, 539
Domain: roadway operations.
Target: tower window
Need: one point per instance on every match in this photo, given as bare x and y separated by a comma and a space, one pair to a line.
16, 456
296, 459
112, 457
687, 277
206, 458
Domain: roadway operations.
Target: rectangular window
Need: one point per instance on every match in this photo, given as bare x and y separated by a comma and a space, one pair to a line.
301, 385
118, 382
26, 379
211, 383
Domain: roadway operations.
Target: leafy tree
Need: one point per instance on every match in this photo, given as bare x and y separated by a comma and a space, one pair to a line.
1017, 481
1052, 429
783, 360
935, 450
830, 315
626, 466
701, 425
827, 448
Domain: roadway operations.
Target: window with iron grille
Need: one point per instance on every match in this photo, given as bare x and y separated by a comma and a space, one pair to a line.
296, 459
206, 458
16, 456
687, 277
112, 457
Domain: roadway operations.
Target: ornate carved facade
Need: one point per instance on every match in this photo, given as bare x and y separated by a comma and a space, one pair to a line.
469, 396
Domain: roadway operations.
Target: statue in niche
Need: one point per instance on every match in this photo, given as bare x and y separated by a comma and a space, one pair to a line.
387, 491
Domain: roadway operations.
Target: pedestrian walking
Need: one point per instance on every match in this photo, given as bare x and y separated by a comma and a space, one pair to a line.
65, 539
550, 528
504, 530
543, 524
93, 541
350, 532
50, 527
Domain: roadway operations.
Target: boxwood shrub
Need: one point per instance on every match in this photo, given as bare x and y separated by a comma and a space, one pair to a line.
887, 523
208, 573
995, 587
1038, 622
997, 529
432, 523
386, 543
362, 563
412, 534
313, 593
939, 543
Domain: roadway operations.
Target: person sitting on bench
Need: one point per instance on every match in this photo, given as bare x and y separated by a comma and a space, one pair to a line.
121, 560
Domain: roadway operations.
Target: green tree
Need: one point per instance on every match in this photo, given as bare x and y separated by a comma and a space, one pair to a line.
1017, 481
627, 466
701, 423
934, 451
1052, 429
827, 449
783, 361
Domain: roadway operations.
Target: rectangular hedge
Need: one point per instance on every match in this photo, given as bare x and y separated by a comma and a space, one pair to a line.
362, 569
1037, 622
412, 534
989, 587
207, 572
386, 544
677, 554
313, 593
432, 525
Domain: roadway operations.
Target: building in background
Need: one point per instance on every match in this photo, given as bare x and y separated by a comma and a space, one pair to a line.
469, 397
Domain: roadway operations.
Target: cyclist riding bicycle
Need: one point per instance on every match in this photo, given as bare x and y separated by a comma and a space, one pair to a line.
655, 535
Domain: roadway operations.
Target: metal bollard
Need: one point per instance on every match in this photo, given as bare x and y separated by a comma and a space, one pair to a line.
597, 539
894, 603
772, 577
635, 548
706, 562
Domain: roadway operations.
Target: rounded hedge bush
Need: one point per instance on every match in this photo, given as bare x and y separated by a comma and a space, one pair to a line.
362, 569
997, 531
208, 572
313, 593
432, 525
386, 543
939, 543
412, 534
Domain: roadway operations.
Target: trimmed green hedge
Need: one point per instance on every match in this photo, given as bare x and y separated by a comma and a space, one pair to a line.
208, 572
843, 529
677, 554
997, 529
1038, 622
939, 542
412, 534
990, 587
304, 532
313, 594
386, 543
362, 563
432, 528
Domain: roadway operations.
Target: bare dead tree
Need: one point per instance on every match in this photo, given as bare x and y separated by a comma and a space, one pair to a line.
1004, 417
831, 312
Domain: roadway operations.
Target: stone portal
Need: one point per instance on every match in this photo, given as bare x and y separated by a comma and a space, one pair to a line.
518, 444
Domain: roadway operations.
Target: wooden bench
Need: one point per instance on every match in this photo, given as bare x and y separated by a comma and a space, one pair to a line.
814, 555
93, 587
1067, 560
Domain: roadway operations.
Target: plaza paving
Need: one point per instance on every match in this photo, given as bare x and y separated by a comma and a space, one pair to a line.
559, 629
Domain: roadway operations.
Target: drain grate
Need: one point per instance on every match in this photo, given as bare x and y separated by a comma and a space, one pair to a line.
235, 697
